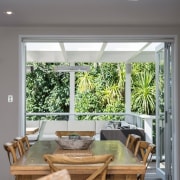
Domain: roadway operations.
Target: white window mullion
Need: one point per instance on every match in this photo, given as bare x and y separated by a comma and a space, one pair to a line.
128, 89
72, 95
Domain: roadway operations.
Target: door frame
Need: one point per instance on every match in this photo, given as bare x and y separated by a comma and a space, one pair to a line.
166, 50
96, 38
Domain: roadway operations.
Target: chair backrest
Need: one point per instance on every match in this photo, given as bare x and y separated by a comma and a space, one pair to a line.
24, 143
144, 151
58, 175
101, 171
132, 141
13, 150
80, 133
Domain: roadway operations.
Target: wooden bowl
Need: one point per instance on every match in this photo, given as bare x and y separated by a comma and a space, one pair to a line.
81, 143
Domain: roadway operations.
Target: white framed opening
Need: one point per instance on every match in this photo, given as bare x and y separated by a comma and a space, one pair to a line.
84, 39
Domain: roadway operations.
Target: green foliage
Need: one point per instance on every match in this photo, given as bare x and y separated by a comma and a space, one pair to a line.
143, 90
46, 91
100, 90
88, 102
85, 82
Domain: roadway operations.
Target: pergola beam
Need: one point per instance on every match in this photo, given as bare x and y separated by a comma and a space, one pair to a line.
63, 52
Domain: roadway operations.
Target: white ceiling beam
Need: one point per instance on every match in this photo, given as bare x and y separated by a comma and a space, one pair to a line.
98, 59
64, 55
137, 53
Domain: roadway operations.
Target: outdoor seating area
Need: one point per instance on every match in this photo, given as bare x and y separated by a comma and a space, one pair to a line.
121, 134
47, 128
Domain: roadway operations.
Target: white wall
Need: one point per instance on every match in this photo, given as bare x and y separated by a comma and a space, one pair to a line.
9, 73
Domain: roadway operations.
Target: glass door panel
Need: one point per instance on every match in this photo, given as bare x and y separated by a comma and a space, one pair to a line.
160, 108
163, 110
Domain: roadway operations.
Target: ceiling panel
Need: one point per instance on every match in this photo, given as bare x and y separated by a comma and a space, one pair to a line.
90, 12
75, 52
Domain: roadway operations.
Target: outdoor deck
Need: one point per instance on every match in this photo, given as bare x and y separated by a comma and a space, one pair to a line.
151, 172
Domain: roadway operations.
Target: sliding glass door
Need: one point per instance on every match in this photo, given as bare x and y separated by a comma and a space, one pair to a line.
164, 115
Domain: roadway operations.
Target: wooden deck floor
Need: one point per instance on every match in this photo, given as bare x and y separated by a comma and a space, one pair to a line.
151, 172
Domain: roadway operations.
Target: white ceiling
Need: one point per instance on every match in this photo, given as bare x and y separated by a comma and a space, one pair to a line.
89, 12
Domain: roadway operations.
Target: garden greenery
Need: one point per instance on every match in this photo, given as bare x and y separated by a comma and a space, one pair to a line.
100, 90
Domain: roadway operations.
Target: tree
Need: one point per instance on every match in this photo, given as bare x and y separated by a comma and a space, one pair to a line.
143, 93
85, 82
46, 90
100, 90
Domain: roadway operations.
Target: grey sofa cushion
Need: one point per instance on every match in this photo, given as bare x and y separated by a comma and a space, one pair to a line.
121, 134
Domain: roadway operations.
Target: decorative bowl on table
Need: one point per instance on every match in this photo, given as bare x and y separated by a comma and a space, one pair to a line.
72, 142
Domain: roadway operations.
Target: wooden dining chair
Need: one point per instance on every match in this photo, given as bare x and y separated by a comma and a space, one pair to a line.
144, 151
58, 175
132, 141
100, 172
13, 150
24, 143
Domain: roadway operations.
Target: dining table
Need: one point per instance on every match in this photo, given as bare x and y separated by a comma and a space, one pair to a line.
125, 166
